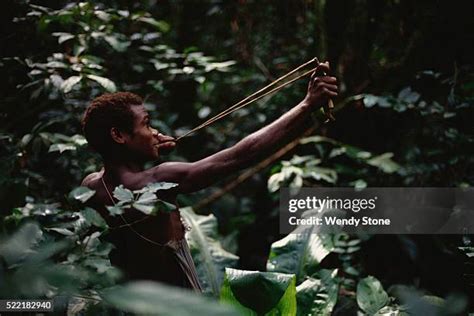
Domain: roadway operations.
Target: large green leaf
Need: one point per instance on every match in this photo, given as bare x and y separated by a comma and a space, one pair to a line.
371, 296
108, 84
260, 293
158, 299
209, 256
123, 194
318, 296
301, 252
20, 245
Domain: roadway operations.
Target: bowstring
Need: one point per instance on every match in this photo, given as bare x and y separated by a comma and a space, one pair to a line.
255, 96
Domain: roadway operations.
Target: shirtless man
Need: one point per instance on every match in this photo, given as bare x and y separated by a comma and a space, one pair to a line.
118, 127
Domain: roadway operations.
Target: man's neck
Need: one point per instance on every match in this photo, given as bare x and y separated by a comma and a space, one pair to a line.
115, 169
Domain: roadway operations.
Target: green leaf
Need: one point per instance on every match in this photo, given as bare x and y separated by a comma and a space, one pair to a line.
152, 298
61, 147
300, 252
160, 25
146, 202
108, 84
153, 187
115, 210
146, 209
122, 194
221, 66
20, 244
209, 256
63, 37
370, 100
371, 296
115, 43
81, 194
93, 217
260, 293
319, 173
147, 198
318, 296
99, 264
69, 83
62, 231
384, 162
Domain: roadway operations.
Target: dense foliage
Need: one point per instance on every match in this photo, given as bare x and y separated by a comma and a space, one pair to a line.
404, 118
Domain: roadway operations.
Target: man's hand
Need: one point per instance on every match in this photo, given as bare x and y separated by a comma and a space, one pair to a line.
321, 88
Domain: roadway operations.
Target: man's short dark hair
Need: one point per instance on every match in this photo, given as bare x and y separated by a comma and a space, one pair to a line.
107, 111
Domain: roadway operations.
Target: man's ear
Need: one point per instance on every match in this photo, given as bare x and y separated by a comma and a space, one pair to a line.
117, 136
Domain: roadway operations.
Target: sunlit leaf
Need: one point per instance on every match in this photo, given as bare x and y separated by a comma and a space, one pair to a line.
123, 194
81, 194
160, 25
63, 37
260, 293
61, 147
318, 296
300, 252
115, 210
384, 162
153, 187
108, 84
69, 83
371, 296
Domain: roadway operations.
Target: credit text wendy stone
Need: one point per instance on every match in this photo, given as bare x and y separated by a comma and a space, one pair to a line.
335, 221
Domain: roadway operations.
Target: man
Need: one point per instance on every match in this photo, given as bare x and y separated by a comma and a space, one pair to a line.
118, 127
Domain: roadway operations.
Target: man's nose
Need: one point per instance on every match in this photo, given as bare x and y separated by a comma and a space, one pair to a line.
160, 136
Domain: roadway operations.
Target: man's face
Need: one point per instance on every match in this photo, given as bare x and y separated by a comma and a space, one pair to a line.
146, 142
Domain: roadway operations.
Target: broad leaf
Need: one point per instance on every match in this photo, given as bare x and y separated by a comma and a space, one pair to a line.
209, 256
81, 194
115, 210
108, 84
69, 83
92, 217
153, 187
260, 293
318, 296
144, 208
122, 194
20, 244
371, 296
300, 252
158, 299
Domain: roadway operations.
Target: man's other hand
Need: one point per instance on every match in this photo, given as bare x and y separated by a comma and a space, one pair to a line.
321, 87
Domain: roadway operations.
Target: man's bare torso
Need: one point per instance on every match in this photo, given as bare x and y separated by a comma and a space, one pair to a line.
161, 227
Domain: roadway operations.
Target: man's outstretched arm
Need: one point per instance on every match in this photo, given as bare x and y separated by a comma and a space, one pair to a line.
200, 174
